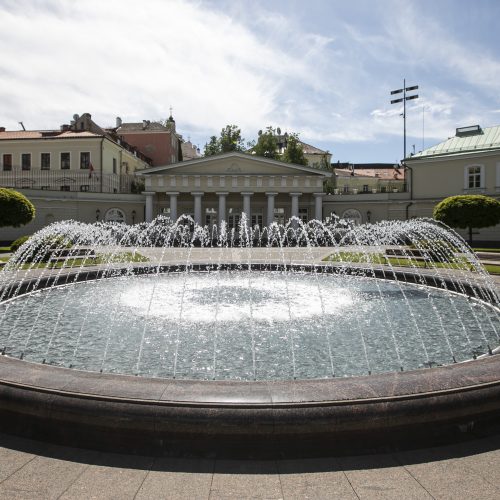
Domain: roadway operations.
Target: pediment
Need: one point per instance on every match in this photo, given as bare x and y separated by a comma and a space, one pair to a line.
234, 164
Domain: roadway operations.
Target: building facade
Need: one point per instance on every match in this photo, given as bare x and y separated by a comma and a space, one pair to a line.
220, 188
79, 172
159, 142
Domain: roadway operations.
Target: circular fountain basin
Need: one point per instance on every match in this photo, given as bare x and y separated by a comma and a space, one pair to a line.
246, 325
279, 416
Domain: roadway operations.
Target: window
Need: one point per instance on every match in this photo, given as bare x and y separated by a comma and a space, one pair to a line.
256, 220
352, 215
85, 160
7, 162
65, 161
304, 215
474, 177
26, 161
84, 187
279, 215
65, 188
115, 215
210, 217
45, 161
233, 219
114, 166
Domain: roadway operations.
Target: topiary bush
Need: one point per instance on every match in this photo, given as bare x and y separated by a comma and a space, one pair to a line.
468, 211
15, 209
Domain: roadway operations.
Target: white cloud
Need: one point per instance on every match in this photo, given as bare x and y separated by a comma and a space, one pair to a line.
252, 66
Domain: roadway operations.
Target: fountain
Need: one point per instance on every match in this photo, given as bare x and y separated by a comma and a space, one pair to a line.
170, 337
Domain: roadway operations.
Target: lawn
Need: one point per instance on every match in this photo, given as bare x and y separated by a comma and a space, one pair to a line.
122, 257
379, 258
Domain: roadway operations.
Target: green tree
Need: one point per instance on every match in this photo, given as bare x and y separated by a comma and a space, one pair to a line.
267, 144
468, 211
294, 153
15, 209
212, 147
229, 140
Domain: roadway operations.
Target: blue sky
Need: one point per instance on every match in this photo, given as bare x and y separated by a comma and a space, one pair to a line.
323, 69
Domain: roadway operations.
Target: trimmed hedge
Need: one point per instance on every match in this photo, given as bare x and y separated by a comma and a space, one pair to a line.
15, 209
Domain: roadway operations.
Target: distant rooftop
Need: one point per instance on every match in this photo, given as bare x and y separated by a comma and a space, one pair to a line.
466, 140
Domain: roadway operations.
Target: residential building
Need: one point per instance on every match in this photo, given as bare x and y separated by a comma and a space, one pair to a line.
158, 141
467, 163
79, 172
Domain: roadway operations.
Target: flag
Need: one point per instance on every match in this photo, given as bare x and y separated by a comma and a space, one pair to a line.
91, 169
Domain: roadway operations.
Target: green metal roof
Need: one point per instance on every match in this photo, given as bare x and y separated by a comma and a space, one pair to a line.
466, 141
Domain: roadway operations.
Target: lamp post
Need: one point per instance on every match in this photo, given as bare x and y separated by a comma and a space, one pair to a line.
403, 100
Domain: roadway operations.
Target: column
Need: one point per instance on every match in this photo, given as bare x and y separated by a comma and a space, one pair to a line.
318, 206
270, 207
295, 205
173, 205
149, 205
221, 214
197, 206
247, 209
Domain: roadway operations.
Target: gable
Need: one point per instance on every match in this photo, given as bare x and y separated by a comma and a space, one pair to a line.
235, 164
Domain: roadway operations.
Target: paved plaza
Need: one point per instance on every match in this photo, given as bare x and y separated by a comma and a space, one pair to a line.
35, 470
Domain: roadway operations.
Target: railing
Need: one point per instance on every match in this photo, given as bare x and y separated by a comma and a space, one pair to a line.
67, 180
390, 187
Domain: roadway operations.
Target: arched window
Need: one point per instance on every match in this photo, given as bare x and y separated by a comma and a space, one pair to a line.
115, 215
353, 215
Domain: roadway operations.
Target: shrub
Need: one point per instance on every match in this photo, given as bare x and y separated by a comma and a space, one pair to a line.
17, 243
15, 209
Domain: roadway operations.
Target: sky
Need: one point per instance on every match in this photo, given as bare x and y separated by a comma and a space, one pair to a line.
322, 69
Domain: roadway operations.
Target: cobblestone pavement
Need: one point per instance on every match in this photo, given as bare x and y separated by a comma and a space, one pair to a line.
35, 470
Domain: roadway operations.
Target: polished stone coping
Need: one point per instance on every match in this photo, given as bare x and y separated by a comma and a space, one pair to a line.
165, 416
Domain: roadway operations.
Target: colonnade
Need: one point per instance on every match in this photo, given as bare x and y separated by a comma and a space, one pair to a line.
222, 213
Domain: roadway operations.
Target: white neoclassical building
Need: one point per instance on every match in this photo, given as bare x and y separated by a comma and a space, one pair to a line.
216, 188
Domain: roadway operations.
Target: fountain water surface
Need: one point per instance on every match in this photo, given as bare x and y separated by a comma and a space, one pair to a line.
303, 301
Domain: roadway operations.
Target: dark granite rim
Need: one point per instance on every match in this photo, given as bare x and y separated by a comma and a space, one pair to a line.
135, 414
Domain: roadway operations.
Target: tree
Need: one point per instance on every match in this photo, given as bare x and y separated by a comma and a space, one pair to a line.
294, 153
230, 140
267, 144
468, 211
212, 147
15, 209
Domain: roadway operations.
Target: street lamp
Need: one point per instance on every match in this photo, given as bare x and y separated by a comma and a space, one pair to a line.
403, 100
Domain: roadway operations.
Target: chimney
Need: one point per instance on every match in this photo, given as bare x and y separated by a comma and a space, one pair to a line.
118, 122
65, 127
2, 129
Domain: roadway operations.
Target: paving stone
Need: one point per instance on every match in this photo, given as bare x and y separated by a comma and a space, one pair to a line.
111, 477
178, 478
380, 477
44, 477
243, 479
449, 478
314, 479
11, 461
